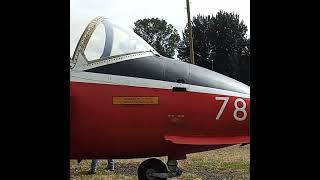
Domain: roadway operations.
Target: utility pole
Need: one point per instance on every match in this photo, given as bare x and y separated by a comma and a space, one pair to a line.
190, 34
212, 64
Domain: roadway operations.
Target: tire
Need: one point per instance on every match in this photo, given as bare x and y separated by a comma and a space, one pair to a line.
154, 165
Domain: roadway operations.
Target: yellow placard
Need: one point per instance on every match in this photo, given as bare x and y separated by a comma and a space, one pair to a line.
135, 100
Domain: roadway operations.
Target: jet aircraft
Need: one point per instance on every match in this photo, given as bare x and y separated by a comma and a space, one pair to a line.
128, 101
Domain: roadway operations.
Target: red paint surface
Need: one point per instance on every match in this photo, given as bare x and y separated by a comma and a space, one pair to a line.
102, 130
207, 140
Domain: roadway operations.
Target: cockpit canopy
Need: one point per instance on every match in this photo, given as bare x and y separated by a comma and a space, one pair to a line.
102, 40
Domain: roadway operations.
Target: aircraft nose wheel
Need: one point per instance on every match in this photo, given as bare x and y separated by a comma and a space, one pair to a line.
148, 167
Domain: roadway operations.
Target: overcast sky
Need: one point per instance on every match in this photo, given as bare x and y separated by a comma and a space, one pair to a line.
125, 12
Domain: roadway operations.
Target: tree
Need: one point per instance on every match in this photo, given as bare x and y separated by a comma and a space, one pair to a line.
160, 35
220, 44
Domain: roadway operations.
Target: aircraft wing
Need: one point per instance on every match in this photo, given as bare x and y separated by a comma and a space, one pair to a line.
207, 140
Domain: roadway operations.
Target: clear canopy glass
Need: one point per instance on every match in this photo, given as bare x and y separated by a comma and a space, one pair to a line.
109, 40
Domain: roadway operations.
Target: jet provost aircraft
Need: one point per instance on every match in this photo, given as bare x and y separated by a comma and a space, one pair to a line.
127, 101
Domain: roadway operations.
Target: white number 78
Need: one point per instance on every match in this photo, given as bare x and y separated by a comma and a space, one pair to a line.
238, 109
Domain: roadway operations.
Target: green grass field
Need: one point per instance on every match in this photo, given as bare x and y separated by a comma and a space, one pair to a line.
225, 164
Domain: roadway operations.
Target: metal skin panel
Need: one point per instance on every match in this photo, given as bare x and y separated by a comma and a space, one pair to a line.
100, 129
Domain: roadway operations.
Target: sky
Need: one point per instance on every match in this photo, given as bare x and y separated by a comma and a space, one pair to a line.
125, 12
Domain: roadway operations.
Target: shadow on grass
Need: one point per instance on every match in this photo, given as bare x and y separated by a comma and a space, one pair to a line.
127, 169
124, 169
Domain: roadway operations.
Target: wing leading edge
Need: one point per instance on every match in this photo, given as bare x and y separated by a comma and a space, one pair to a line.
207, 140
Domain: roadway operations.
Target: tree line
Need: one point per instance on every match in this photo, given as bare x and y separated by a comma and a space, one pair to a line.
220, 42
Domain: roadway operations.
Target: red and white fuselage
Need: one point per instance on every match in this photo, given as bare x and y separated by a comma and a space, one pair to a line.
143, 105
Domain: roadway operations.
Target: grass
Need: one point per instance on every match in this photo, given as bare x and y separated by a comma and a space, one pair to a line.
225, 164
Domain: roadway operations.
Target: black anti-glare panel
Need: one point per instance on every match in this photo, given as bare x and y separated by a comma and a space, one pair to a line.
166, 69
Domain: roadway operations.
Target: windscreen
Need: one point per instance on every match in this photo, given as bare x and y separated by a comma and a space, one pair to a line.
109, 40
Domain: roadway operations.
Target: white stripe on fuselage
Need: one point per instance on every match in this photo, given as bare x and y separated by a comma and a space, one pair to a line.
96, 78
